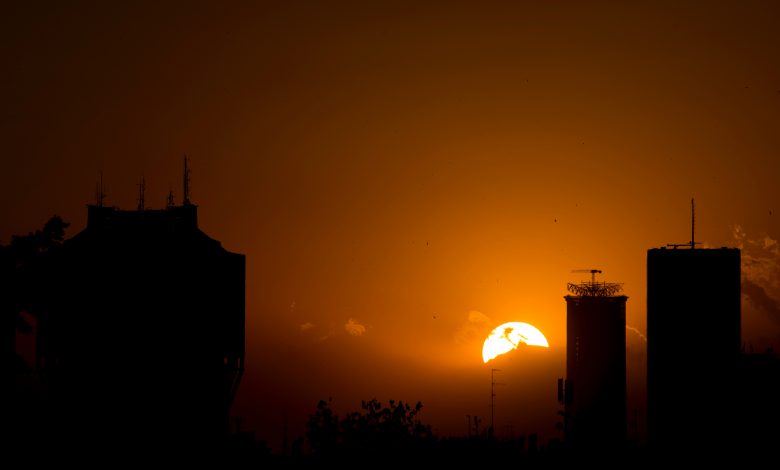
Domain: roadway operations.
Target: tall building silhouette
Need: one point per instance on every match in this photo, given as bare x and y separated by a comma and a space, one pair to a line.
595, 388
141, 331
693, 343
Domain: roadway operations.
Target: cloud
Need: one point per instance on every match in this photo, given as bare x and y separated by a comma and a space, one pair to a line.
354, 328
758, 296
478, 317
331, 332
318, 332
476, 327
323, 333
760, 271
639, 333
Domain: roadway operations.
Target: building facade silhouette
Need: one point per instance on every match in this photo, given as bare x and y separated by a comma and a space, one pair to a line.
595, 387
141, 331
693, 345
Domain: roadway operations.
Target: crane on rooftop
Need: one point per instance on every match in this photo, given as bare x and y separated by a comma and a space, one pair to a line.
593, 288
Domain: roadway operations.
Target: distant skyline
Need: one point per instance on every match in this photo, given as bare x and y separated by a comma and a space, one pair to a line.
403, 177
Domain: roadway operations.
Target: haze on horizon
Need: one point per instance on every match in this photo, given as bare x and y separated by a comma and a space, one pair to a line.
405, 177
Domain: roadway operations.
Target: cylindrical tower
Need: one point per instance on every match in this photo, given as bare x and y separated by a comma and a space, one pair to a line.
595, 398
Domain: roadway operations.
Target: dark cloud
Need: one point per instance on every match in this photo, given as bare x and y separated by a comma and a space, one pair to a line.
759, 297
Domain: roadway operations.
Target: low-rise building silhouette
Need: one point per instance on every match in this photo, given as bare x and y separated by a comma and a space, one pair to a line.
141, 330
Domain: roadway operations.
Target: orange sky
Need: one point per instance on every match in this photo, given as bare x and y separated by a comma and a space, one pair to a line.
403, 166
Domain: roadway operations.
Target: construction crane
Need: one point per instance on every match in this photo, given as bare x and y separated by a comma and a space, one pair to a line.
593, 288
592, 272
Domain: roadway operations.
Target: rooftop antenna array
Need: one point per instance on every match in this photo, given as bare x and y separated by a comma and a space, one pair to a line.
593, 288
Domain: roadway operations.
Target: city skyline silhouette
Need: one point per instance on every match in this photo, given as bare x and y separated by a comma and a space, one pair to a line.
146, 309
402, 179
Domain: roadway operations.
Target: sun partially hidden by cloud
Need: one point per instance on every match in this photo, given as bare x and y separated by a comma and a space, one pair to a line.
508, 336
307, 326
354, 328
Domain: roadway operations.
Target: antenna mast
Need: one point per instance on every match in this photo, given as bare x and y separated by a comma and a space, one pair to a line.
693, 241
186, 201
100, 194
693, 223
141, 194
493, 384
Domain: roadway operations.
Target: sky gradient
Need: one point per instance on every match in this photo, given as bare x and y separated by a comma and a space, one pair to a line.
405, 176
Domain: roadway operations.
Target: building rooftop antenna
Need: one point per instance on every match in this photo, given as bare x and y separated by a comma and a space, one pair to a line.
186, 200
100, 193
693, 223
593, 288
692, 244
141, 193
170, 202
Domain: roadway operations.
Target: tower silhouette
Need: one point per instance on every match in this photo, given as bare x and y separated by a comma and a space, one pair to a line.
693, 341
595, 388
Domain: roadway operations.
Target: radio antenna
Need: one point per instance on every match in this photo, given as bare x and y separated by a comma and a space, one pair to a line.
693, 223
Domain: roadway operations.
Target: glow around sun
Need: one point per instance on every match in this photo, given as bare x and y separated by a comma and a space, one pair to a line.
508, 336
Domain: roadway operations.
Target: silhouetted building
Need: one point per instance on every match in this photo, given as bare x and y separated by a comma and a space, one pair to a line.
693, 344
141, 331
595, 388
754, 393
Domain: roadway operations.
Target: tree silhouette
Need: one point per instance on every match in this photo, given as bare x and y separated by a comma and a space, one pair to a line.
375, 429
322, 431
17, 276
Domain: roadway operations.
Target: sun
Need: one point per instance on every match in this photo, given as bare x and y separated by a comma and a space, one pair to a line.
508, 336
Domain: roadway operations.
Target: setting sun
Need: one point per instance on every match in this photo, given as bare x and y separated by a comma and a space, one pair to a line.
371, 189
508, 336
